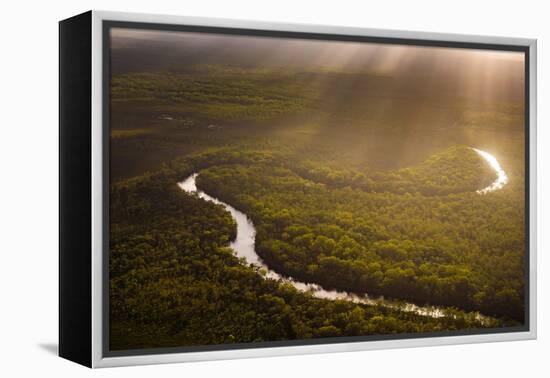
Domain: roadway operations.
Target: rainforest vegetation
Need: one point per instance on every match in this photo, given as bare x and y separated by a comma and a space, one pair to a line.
354, 179
397, 239
174, 281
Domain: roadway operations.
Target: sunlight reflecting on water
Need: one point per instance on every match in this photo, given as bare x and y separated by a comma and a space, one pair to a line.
502, 178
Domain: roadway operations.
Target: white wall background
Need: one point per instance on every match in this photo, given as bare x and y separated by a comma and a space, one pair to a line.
28, 200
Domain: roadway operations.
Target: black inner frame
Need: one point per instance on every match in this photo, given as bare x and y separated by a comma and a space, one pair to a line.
106, 78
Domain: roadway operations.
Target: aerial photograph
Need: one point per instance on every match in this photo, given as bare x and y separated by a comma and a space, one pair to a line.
269, 190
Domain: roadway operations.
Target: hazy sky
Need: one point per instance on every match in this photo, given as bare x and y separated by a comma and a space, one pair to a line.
483, 74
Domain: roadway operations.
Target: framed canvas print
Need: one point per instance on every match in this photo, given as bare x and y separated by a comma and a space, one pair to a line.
238, 189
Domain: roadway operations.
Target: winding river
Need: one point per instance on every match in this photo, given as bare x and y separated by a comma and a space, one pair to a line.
243, 246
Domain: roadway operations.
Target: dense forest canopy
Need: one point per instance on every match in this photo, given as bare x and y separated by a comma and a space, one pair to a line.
396, 239
355, 164
174, 282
